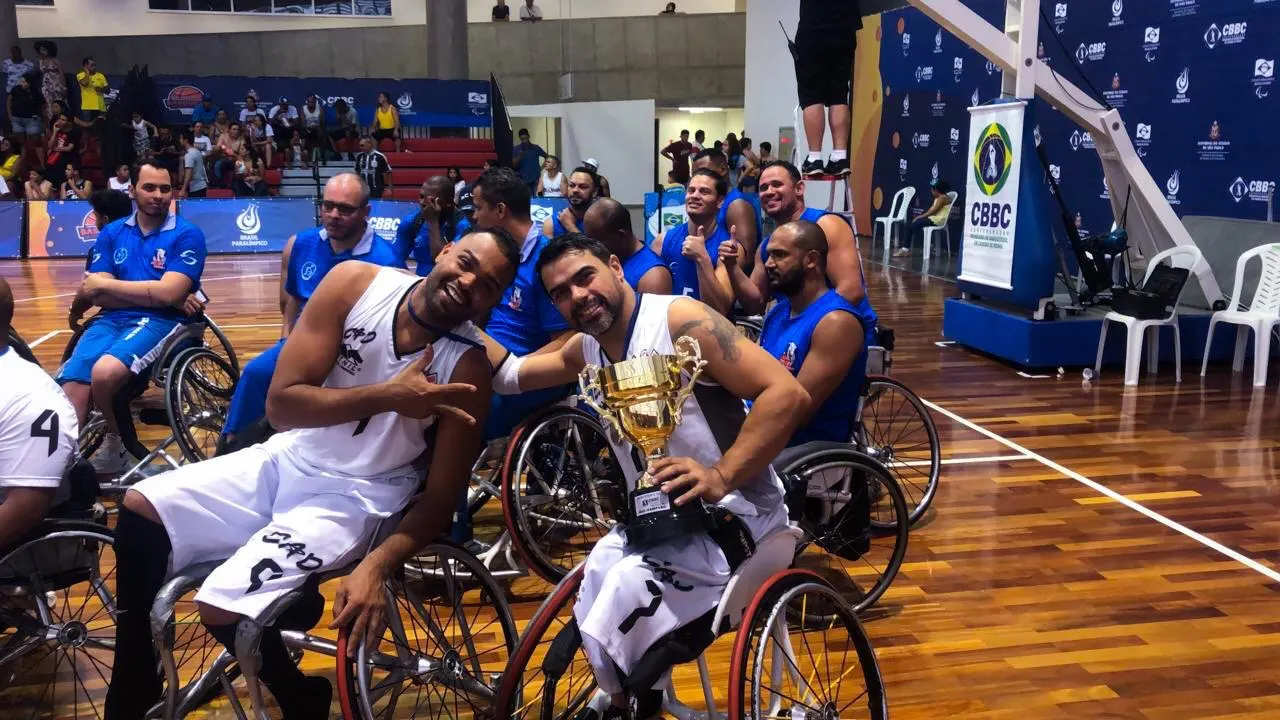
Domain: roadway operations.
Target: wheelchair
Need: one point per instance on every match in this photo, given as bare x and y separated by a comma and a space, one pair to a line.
196, 371
58, 611
779, 614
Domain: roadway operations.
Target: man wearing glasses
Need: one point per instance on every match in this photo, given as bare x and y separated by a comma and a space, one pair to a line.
307, 258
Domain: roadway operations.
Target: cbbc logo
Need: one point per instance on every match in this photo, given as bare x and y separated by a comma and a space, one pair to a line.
991, 215
920, 140
924, 74
1256, 190
1080, 139
477, 98
1228, 34
385, 227
1091, 51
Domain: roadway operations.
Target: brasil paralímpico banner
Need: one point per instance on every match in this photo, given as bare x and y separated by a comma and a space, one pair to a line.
11, 229
248, 225
991, 193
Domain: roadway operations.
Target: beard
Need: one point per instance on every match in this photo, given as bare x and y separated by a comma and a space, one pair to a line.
578, 203
447, 304
787, 284
601, 321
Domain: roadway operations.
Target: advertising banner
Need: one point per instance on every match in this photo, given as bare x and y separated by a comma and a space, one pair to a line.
385, 216
249, 225
60, 228
542, 208
10, 229
672, 213
991, 193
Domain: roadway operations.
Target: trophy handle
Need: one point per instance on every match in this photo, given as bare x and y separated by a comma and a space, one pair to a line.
591, 393
688, 359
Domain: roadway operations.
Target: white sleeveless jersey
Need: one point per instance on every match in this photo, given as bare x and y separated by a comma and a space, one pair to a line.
711, 417
385, 444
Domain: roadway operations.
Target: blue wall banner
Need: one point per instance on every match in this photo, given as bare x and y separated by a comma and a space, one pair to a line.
541, 208
249, 225
385, 216
60, 228
11, 229
439, 103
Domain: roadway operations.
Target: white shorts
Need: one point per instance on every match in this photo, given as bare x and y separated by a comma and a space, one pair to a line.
629, 600
274, 520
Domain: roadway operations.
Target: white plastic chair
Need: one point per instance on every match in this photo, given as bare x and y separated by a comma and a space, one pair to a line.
1183, 256
930, 231
897, 217
1262, 315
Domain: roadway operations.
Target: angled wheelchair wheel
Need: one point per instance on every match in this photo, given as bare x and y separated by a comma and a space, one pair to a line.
751, 327
20, 346
561, 489
444, 649
791, 655
197, 395
57, 621
549, 677
854, 520
897, 430
216, 340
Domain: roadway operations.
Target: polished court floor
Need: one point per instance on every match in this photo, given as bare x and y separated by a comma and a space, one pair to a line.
1093, 551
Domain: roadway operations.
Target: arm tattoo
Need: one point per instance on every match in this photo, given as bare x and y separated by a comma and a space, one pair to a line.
725, 334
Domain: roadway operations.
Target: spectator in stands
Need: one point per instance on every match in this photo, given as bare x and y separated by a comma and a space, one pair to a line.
5, 192
249, 180
63, 148
501, 13
670, 10
228, 150
168, 152
594, 166
250, 109
195, 182
678, 153
284, 120
528, 159
455, 176
221, 124
386, 122
23, 105
766, 153
53, 85
373, 166
312, 123
530, 12
14, 67
75, 187
262, 137
206, 112
92, 86
9, 162
298, 151
202, 140
699, 138
120, 181
935, 216
750, 178
551, 181
346, 125
142, 131
37, 187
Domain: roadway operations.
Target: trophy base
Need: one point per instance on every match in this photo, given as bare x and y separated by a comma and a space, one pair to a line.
656, 519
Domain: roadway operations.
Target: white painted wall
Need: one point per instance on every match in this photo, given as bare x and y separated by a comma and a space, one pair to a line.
770, 88
481, 10
611, 132
77, 18
716, 124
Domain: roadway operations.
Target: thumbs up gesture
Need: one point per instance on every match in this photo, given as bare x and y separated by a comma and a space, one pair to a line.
695, 245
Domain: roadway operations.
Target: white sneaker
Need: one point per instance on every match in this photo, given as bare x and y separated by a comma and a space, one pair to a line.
111, 456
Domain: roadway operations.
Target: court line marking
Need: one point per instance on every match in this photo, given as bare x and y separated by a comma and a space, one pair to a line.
1248, 562
968, 460
202, 281
46, 336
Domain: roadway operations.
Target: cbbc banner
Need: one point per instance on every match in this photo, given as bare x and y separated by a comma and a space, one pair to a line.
991, 193
542, 208
10, 229
385, 216
60, 228
248, 225
439, 103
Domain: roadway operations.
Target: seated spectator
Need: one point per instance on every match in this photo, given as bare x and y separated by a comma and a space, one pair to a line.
935, 216
120, 181
203, 142
93, 85
10, 162
142, 132
249, 180
221, 124
386, 122
298, 151
530, 12
206, 112
501, 13
262, 137
228, 150
195, 182
168, 151
23, 106
346, 125
250, 109
37, 187
75, 187
63, 148
284, 120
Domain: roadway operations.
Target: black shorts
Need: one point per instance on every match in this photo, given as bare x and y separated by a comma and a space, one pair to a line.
380, 134
824, 73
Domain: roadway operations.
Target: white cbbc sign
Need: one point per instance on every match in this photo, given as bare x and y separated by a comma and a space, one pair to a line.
991, 197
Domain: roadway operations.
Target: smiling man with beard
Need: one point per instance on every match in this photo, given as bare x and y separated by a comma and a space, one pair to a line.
381, 367
719, 455
583, 186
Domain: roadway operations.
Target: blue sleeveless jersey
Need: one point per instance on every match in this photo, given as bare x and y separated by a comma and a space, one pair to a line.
684, 272
722, 219
414, 240
788, 339
863, 309
312, 258
639, 263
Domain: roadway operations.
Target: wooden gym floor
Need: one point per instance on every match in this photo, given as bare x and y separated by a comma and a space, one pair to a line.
1093, 552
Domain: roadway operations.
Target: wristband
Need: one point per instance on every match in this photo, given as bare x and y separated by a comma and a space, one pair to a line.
506, 381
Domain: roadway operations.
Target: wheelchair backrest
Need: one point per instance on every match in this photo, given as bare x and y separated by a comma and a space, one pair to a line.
773, 554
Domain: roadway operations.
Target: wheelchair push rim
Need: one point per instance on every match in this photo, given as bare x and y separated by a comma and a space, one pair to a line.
896, 429
197, 395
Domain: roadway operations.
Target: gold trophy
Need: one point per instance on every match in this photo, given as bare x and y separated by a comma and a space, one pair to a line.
642, 399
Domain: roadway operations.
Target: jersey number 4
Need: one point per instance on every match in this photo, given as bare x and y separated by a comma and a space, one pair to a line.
46, 426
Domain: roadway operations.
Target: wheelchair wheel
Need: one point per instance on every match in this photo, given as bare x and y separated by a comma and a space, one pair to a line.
791, 655
897, 430
216, 340
560, 490
58, 621
854, 519
20, 346
444, 648
546, 679
75, 338
197, 396
750, 327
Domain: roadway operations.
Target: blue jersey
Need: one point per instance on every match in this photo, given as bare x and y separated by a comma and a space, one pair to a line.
122, 250
788, 338
863, 308
722, 219
639, 263
312, 257
526, 318
464, 226
413, 239
684, 272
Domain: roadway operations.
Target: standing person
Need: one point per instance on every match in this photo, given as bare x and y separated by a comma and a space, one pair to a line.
386, 122
766, 154
425, 233
823, 51
92, 86
582, 192
529, 12
372, 166
75, 187
610, 222
358, 415
23, 106
195, 181
120, 181
678, 153
501, 13
53, 84
551, 181
307, 258
14, 68
594, 166
737, 160
528, 159
142, 131
692, 250
202, 139
699, 141
750, 178
736, 211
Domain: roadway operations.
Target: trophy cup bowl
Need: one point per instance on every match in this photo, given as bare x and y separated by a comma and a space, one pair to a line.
641, 399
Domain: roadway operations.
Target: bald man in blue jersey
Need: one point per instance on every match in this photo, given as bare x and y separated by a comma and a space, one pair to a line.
424, 234
610, 223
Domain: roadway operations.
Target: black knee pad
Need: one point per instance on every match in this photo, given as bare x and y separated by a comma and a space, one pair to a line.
140, 537
225, 634
305, 612
646, 704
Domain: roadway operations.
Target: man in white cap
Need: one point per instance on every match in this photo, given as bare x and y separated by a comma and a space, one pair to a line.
603, 189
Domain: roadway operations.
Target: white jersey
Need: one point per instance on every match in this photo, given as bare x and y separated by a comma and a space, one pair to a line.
385, 444
712, 417
38, 429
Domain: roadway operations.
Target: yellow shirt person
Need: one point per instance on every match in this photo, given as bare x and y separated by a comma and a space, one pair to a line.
92, 85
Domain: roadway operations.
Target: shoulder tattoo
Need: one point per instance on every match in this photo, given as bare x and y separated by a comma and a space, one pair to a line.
719, 327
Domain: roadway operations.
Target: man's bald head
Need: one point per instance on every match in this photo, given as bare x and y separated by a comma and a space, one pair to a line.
441, 188
345, 210
6, 312
808, 237
347, 188
610, 223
